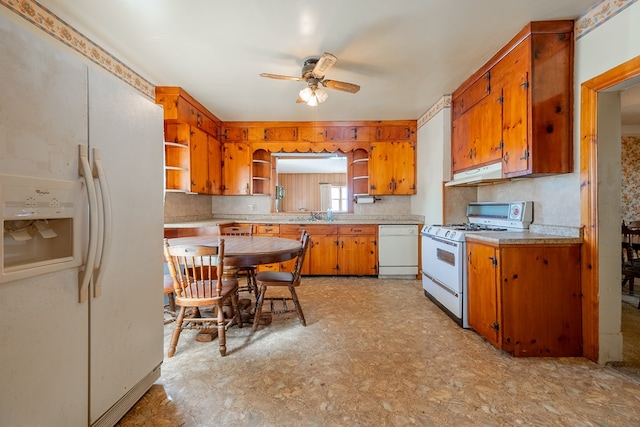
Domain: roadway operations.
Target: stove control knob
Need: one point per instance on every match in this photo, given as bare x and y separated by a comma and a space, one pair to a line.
447, 233
453, 234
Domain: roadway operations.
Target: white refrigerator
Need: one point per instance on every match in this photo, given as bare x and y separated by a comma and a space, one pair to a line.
74, 355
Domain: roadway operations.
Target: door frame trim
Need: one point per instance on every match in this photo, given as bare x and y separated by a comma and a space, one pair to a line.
589, 198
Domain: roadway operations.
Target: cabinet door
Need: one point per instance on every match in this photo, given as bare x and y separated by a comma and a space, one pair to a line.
381, 168
323, 254
461, 144
487, 119
511, 75
215, 166
541, 304
291, 264
236, 168
482, 292
473, 94
477, 134
392, 168
357, 255
386, 133
199, 152
404, 165
516, 124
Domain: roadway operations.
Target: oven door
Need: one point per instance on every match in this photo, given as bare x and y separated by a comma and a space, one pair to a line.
443, 260
443, 276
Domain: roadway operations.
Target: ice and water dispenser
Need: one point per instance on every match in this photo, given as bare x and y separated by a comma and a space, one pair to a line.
41, 221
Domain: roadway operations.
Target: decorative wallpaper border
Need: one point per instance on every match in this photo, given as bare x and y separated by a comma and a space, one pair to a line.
444, 102
48, 22
598, 14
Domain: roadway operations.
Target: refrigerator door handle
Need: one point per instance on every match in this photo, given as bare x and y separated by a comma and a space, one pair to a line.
104, 214
85, 272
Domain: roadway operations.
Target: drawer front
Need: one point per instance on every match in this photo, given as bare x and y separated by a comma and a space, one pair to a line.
358, 229
296, 229
268, 230
465, 100
269, 267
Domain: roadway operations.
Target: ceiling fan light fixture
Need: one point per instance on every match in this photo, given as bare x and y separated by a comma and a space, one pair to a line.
321, 94
313, 96
306, 94
313, 101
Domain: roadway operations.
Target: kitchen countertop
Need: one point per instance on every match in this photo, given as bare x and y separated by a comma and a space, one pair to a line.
340, 220
522, 237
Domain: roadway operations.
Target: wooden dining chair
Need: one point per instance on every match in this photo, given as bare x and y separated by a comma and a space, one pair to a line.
170, 304
169, 291
245, 270
197, 273
630, 259
291, 280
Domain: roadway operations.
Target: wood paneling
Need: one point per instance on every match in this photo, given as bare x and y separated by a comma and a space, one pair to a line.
303, 189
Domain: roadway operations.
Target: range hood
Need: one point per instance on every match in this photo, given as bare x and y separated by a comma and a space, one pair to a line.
482, 175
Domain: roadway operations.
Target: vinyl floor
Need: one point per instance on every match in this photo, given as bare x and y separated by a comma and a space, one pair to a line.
378, 353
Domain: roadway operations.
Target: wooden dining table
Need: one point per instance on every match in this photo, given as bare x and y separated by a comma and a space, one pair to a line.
242, 251
247, 250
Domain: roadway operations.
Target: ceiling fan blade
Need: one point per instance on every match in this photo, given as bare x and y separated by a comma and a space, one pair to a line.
281, 77
323, 65
299, 100
343, 86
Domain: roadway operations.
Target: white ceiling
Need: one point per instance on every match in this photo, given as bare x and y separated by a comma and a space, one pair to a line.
404, 54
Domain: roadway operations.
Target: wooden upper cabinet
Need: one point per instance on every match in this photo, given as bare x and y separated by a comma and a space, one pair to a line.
192, 152
199, 161
280, 134
531, 130
470, 96
392, 168
236, 168
205, 163
261, 172
477, 134
388, 133
179, 106
177, 159
215, 166
339, 133
235, 134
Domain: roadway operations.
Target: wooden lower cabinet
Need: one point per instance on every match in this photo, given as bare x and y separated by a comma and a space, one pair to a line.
525, 299
322, 252
267, 230
346, 250
337, 249
357, 250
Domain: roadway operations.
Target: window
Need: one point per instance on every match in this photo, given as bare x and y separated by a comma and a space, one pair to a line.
339, 198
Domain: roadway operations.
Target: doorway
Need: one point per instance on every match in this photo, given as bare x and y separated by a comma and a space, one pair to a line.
597, 300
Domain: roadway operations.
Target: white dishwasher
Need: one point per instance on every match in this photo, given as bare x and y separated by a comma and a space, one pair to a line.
397, 251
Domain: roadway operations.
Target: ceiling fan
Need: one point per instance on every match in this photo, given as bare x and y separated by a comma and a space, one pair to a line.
313, 72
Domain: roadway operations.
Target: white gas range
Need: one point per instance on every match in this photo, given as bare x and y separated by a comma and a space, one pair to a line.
444, 268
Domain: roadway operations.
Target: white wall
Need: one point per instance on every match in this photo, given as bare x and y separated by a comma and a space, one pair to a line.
609, 218
433, 162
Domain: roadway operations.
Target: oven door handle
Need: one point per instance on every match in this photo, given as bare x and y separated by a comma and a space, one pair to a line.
439, 240
442, 285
